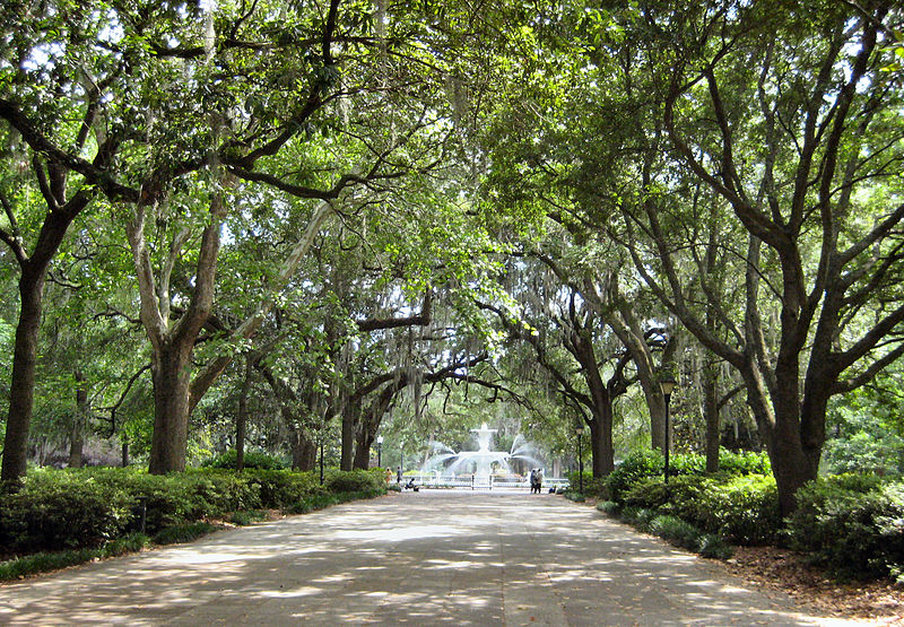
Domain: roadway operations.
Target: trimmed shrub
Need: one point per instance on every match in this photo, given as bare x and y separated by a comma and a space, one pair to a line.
253, 460
355, 481
647, 493
68, 509
853, 524
744, 509
56, 510
638, 517
44, 562
279, 489
744, 463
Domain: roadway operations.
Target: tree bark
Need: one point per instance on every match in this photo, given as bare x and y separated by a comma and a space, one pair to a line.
31, 300
241, 418
711, 415
350, 418
77, 433
21, 392
171, 375
363, 443
602, 451
304, 450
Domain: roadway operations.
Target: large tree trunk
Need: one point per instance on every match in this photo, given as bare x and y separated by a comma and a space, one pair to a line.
711, 415
601, 450
304, 450
580, 344
362, 449
172, 344
77, 433
171, 372
21, 397
350, 418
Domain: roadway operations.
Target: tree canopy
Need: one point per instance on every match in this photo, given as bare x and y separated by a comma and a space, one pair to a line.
279, 222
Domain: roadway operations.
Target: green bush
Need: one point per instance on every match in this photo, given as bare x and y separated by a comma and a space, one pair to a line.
609, 507
355, 481
634, 468
70, 509
243, 519
649, 464
646, 493
854, 524
56, 510
744, 509
593, 486
43, 562
638, 517
744, 463
675, 531
280, 489
253, 459
216, 492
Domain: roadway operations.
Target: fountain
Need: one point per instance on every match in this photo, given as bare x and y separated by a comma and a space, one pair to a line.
480, 466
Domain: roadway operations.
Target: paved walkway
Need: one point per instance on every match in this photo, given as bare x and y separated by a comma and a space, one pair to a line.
451, 557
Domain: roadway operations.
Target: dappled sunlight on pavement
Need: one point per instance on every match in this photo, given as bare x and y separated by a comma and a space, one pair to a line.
431, 557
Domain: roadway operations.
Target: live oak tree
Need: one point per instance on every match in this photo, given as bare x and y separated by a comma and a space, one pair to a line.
50, 104
786, 113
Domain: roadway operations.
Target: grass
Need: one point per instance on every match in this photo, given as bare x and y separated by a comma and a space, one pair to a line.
183, 533
37, 563
245, 518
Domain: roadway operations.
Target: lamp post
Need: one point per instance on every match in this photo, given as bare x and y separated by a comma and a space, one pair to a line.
380, 451
668, 383
579, 430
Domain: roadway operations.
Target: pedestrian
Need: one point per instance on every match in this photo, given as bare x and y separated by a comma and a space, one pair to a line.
399, 476
534, 481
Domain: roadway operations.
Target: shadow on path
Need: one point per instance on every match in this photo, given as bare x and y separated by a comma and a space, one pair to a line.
419, 558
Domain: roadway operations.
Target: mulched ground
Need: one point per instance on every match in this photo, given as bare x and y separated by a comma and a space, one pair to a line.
879, 603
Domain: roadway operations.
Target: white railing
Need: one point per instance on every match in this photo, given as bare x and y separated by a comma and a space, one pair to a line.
478, 482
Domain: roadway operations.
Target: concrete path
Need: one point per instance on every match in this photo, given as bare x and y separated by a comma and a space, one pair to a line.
466, 558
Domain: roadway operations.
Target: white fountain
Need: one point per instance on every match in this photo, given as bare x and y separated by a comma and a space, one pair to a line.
479, 465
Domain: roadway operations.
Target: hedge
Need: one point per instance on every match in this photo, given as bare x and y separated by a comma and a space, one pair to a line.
852, 524
86, 508
742, 508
